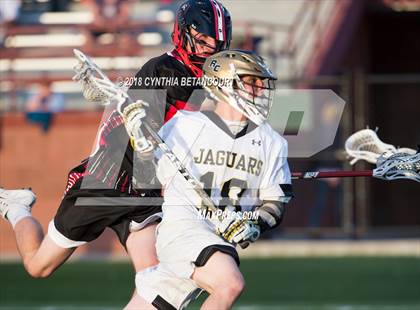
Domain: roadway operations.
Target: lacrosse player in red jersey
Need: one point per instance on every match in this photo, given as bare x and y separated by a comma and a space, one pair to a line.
92, 199
242, 163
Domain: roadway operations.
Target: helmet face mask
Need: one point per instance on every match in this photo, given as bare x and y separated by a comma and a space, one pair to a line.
207, 17
201, 42
256, 92
196, 42
252, 86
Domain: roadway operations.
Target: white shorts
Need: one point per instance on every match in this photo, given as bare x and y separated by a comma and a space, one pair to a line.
181, 246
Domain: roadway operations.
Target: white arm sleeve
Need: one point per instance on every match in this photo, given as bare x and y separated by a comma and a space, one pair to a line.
276, 183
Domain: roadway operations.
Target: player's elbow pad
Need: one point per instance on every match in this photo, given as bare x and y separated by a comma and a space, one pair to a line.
270, 215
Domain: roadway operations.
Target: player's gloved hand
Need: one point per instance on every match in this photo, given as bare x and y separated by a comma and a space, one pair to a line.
235, 229
250, 233
133, 115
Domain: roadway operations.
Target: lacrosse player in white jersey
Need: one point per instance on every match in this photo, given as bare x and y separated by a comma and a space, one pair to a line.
242, 163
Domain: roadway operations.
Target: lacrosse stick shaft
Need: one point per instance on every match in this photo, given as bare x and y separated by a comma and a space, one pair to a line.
331, 174
207, 202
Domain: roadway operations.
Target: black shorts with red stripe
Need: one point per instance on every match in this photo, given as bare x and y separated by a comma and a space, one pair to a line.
84, 213
101, 194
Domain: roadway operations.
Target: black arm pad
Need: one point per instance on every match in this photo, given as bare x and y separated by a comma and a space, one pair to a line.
270, 214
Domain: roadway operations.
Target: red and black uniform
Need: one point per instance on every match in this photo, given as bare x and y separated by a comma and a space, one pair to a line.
171, 69
109, 171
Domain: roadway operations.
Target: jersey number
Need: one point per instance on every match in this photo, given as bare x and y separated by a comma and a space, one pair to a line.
231, 192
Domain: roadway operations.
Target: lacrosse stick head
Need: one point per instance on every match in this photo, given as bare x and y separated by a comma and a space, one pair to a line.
365, 144
398, 166
96, 86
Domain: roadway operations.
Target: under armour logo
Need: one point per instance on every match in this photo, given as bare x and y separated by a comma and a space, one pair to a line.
256, 142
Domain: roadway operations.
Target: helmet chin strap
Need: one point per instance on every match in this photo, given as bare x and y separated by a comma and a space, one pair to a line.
248, 97
195, 58
180, 48
197, 71
237, 102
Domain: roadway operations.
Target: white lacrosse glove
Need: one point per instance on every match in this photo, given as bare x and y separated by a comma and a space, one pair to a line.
234, 229
133, 115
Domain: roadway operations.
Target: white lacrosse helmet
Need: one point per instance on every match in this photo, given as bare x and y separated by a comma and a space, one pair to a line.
224, 74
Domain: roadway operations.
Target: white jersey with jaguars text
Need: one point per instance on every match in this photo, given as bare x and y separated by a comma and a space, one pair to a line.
244, 169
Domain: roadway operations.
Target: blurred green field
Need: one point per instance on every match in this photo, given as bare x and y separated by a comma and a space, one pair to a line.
276, 283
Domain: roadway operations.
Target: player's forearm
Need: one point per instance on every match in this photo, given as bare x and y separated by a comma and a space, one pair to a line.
271, 214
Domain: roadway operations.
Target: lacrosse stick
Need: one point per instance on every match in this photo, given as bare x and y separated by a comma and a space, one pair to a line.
98, 88
365, 144
397, 166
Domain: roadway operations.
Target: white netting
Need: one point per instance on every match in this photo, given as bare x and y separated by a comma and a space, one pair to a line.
398, 166
96, 86
365, 144
92, 92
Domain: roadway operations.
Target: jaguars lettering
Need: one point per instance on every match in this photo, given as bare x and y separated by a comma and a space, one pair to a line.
230, 160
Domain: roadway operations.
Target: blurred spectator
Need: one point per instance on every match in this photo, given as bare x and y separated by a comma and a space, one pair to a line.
42, 105
29, 12
250, 43
109, 13
9, 12
59, 5
108, 16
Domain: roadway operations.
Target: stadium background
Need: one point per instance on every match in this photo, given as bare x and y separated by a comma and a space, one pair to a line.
353, 242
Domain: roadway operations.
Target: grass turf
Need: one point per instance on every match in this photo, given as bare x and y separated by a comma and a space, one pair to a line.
276, 283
